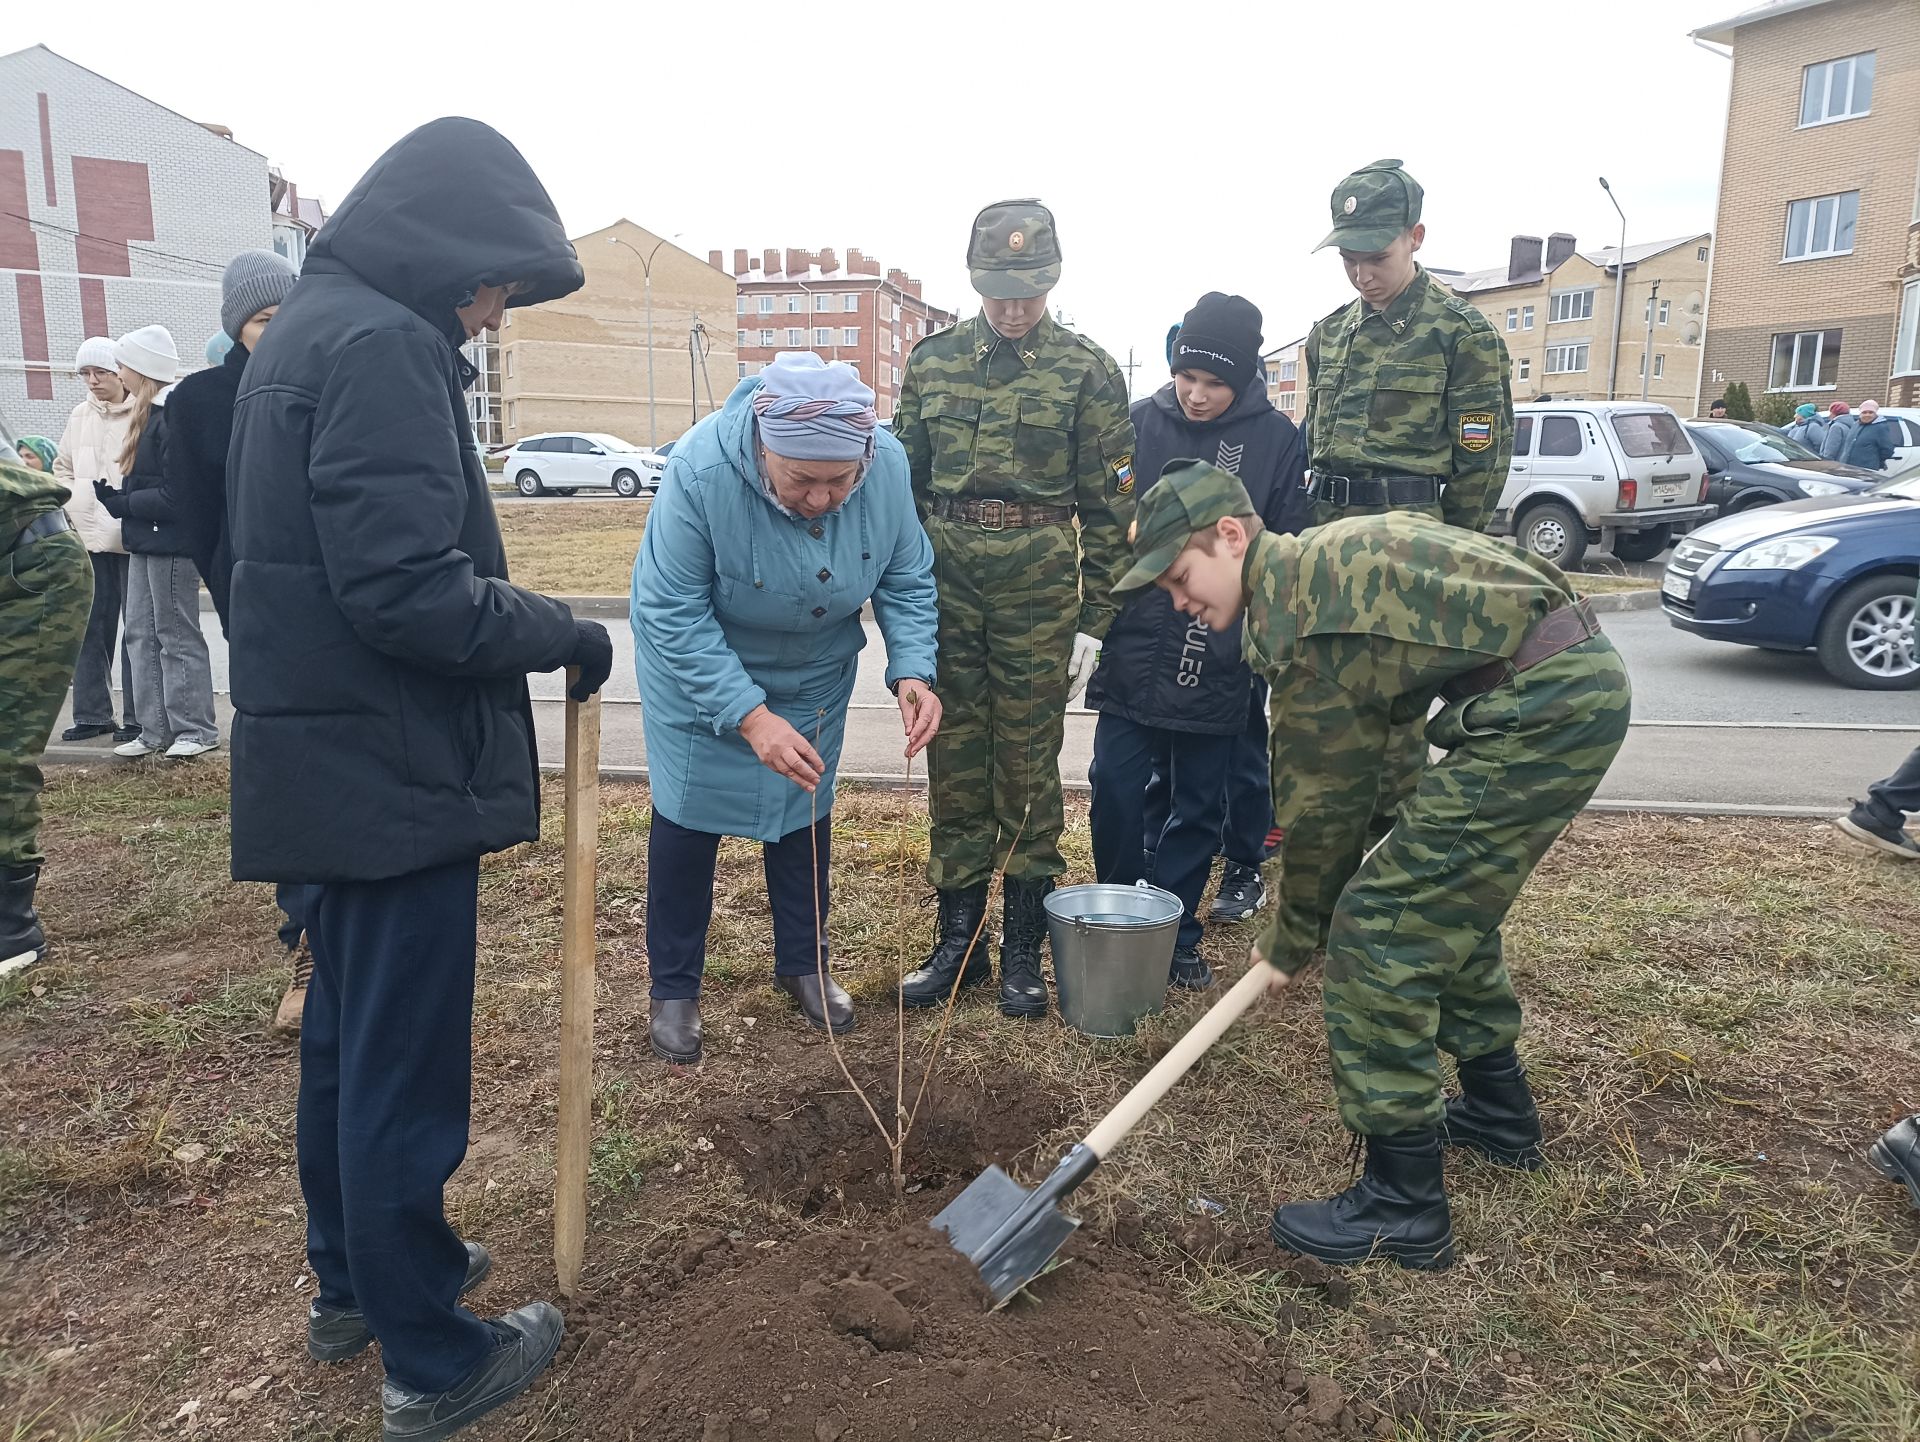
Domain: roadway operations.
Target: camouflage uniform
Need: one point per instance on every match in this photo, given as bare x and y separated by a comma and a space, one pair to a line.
1041, 420
1418, 389
46, 588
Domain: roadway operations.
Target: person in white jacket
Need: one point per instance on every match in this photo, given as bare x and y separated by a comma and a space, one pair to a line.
90, 450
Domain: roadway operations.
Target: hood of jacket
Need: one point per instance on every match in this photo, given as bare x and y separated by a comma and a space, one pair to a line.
450, 207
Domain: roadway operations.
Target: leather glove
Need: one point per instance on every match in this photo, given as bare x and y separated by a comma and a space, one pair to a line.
1086, 655
113, 502
593, 654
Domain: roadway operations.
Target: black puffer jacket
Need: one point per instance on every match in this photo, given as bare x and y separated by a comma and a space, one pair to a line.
199, 430
151, 527
1157, 668
379, 655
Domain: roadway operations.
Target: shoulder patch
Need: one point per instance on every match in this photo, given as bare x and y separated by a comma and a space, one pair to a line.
1476, 430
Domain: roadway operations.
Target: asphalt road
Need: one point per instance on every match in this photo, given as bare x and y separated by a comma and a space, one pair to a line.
1716, 726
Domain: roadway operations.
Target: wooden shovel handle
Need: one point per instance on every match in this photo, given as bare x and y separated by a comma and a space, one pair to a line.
575, 1140
1175, 1064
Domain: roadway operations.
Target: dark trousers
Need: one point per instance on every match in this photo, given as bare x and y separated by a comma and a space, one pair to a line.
1243, 839
93, 672
296, 900
386, 1082
1125, 755
1888, 801
680, 868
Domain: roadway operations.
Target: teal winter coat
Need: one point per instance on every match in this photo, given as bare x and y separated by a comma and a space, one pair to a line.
736, 603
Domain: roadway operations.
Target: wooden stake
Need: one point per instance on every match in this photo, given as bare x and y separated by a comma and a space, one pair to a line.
576, 988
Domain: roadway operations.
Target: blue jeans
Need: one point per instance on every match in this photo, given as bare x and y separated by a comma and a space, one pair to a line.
1125, 755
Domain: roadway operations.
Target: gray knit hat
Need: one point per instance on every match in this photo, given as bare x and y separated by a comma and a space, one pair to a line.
255, 279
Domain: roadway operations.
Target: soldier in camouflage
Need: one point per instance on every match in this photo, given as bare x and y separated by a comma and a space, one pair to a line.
1391, 612
1021, 450
46, 589
1410, 410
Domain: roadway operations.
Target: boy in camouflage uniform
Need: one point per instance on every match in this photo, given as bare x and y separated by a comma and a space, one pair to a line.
1021, 450
46, 589
1390, 612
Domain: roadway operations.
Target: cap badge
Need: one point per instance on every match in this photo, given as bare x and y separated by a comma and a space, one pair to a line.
1352, 204
1016, 241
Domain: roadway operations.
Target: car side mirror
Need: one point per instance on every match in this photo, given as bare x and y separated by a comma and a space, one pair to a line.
595, 451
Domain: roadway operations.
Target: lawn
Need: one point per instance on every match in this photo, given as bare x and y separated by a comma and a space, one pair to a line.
1720, 1017
571, 547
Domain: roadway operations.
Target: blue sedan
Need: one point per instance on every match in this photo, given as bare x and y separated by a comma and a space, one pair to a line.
1835, 576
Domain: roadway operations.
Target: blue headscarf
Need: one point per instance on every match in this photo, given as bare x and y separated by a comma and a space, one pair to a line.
809, 410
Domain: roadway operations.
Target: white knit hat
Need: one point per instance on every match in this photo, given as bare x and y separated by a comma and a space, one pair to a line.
95, 350
150, 351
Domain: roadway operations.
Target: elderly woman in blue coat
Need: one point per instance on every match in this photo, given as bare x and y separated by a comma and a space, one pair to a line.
777, 519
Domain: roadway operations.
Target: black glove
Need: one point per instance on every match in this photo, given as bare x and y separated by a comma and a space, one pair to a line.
113, 502
593, 654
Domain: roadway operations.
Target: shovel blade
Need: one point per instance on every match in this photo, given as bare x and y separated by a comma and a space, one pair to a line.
1006, 1263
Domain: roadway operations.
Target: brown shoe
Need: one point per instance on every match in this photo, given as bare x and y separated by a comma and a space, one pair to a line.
293, 1006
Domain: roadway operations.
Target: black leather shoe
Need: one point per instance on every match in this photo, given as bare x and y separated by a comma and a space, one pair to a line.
1023, 990
674, 1029
1897, 1157
805, 991
1397, 1209
87, 731
22, 942
128, 732
962, 913
337, 1333
1190, 970
528, 1338
1494, 1114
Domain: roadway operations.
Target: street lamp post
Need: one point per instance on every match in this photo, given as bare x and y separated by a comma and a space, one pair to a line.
1619, 294
646, 273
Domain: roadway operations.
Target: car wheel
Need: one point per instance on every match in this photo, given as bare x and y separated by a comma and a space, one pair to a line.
1554, 532
626, 484
1757, 498
527, 483
1866, 639
1642, 545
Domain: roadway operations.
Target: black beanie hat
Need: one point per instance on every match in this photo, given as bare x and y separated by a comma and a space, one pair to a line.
1220, 335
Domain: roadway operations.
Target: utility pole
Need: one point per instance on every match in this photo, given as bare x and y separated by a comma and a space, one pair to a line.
646, 272
1130, 368
1646, 350
1619, 295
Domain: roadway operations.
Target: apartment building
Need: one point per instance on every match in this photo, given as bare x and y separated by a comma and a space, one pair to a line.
1816, 273
1554, 306
1286, 368
808, 300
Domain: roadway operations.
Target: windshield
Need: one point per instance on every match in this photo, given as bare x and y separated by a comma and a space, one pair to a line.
1758, 446
1906, 488
1651, 433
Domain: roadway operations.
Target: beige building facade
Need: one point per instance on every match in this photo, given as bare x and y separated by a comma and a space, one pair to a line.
1286, 367
1816, 277
1553, 304
581, 363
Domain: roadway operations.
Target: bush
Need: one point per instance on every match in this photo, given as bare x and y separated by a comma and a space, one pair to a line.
1774, 410
1739, 402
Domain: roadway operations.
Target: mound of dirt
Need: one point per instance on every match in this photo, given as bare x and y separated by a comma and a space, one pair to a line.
860, 1334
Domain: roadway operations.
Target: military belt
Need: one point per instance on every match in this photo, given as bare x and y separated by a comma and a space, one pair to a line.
40, 527
1553, 633
1375, 490
997, 515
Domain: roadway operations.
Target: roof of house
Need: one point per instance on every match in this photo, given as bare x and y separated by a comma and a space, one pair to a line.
147, 99
1721, 31
1497, 279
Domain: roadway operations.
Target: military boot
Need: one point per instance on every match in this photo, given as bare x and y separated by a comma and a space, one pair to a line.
1023, 990
1397, 1209
22, 943
962, 914
1494, 1114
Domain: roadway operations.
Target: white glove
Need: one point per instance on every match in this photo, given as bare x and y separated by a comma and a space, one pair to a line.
1086, 655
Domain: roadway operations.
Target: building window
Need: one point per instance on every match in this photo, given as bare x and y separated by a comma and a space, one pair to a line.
1906, 346
1659, 366
1513, 318
822, 335
1562, 359
513, 415
1526, 317
822, 301
739, 305
796, 336
1822, 226
1666, 313
1525, 364
1836, 89
509, 362
1570, 305
1701, 255
739, 339
743, 370
850, 302
766, 337
1289, 370
1806, 361
896, 375
896, 338
850, 335
766, 305
796, 304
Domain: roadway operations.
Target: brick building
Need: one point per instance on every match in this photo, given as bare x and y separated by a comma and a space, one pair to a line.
802, 300
115, 212
1553, 305
1286, 369
1816, 271
581, 363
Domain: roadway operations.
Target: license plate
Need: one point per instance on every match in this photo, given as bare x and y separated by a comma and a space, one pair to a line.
1668, 490
1676, 586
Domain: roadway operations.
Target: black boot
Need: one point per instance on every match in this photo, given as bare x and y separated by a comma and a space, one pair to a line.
1023, 991
821, 1006
673, 1028
1494, 1114
22, 943
1397, 1209
1897, 1156
961, 915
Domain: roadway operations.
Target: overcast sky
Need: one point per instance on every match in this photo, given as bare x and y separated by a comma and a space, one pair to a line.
1183, 147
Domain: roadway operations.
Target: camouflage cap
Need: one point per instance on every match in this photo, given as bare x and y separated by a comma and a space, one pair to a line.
1188, 498
1015, 250
1373, 206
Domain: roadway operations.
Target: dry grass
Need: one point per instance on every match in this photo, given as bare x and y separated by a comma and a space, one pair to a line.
1603, 583
1720, 1017
573, 547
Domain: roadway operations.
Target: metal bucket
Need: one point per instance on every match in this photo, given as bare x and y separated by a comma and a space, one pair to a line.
1112, 952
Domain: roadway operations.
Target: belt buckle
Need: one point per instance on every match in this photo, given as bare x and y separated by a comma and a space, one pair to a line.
999, 521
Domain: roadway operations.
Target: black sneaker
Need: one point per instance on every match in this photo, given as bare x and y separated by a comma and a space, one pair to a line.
337, 1333
528, 1338
1242, 894
1893, 840
87, 730
1190, 970
129, 732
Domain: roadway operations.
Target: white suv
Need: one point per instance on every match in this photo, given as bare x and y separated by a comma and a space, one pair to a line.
1619, 474
567, 461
